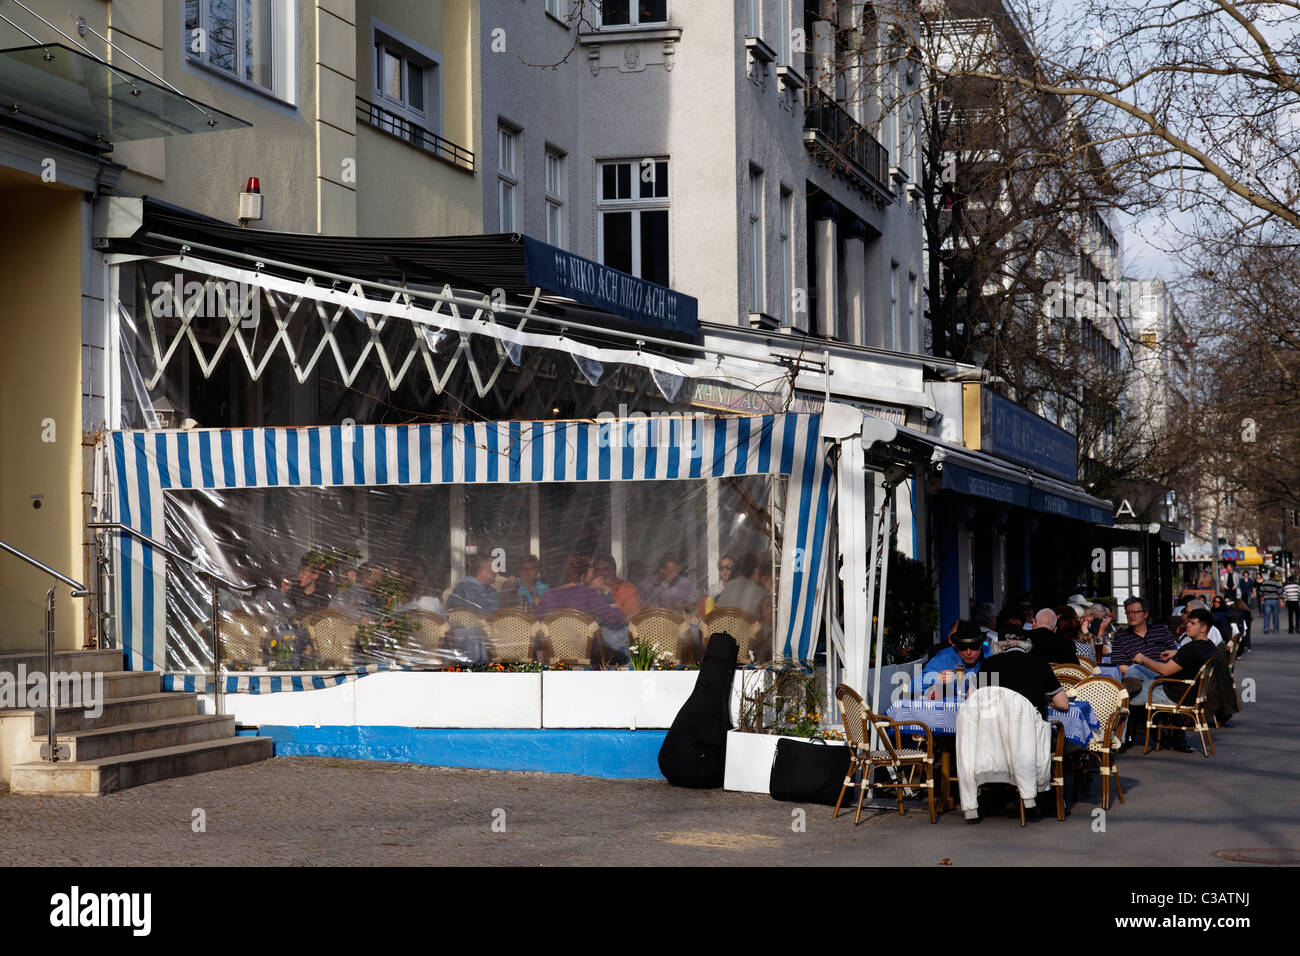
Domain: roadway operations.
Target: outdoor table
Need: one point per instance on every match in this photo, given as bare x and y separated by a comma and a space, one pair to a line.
1106, 670
941, 717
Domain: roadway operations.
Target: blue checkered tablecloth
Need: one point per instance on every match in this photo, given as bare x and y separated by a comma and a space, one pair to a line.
1112, 672
941, 717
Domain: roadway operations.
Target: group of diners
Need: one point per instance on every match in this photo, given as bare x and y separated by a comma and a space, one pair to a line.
585, 583
1020, 650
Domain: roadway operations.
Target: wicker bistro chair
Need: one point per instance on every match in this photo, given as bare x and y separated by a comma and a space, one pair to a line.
333, 637
857, 723
429, 642
569, 635
744, 627
667, 631
244, 638
1189, 706
1071, 674
1109, 702
512, 635
466, 618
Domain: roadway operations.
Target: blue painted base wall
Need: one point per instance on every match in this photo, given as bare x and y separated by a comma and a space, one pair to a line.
624, 754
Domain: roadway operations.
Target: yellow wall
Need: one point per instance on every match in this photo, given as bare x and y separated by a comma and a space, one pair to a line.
40, 372
402, 190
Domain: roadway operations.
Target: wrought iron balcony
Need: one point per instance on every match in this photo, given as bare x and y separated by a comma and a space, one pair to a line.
840, 141
389, 122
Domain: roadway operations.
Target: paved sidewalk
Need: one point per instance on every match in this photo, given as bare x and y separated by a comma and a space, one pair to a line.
306, 811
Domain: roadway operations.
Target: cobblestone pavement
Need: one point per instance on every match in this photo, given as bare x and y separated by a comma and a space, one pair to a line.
312, 811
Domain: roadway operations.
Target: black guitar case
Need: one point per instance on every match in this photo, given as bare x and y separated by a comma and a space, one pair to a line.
694, 750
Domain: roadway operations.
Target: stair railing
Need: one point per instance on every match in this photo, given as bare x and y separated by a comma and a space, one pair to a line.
214, 579
49, 751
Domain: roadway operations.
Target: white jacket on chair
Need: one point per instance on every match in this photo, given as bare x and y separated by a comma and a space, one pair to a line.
1001, 738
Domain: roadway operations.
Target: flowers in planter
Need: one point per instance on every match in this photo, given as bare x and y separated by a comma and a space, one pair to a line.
647, 657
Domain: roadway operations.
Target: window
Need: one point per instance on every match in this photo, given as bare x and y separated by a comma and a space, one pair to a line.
507, 179
633, 218
755, 240
912, 302
557, 8
893, 307
407, 88
785, 230
249, 41
783, 32
1125, 576
755, 26
631, 13
555, 193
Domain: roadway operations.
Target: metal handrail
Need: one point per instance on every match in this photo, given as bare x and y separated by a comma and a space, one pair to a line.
78, 589
213, 580
153, 542
50, 751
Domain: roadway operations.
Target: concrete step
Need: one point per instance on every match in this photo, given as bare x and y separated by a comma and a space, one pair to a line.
65, 661
124, 710
120, 684
106, 774
150, 735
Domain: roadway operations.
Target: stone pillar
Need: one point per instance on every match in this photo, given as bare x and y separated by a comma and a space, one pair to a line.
855, 280
827, 234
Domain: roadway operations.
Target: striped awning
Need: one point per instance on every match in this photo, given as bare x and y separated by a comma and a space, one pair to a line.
147, 466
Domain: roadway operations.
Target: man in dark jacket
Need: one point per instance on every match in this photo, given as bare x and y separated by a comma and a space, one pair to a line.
1046, 643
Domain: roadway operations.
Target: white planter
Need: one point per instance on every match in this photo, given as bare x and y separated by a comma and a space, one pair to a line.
630, 700
750, 758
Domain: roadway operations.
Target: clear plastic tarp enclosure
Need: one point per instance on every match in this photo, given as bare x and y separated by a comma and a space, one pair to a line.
400, 486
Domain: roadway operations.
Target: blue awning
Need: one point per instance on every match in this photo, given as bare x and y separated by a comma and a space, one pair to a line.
983, 484
1039, 493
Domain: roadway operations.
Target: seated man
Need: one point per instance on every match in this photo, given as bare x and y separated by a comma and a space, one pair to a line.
526, 589
1139, 636
667, 588
1182, 664
966, 652
476, 591
577, 593
605, 579
1047, 643
1013, 667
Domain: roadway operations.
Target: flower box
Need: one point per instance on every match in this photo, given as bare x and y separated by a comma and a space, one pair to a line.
750, 758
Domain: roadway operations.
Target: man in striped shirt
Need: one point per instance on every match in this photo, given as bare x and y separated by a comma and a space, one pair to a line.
1291, 594
1139, 636
1270, 593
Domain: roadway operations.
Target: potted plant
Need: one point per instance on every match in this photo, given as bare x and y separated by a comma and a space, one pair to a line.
786, 703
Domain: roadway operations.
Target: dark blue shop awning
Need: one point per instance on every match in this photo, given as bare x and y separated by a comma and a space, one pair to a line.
982, 484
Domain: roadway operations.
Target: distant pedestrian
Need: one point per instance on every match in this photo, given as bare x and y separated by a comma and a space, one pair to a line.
1270, 596
1291, 594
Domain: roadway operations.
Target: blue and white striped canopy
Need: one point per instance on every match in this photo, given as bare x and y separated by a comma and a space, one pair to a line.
146, 466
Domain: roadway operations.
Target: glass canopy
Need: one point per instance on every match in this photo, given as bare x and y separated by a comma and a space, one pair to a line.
69, 89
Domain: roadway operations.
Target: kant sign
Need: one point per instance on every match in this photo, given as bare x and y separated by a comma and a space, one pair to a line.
574, 277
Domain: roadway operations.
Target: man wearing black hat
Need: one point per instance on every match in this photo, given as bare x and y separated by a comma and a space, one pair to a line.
966, 651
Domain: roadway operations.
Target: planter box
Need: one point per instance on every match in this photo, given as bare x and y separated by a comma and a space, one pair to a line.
629, 700
400, 699
750, 758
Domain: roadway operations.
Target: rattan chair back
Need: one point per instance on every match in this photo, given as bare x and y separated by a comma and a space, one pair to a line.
244, 638
512, 634
1189, 705
466, 618
741, 625
428, 641
912, 767
1071, 674
569, 634
333, 637
1109, 701
666, 631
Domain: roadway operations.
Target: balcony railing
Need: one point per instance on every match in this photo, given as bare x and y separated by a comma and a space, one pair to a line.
846, 138
389, 122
